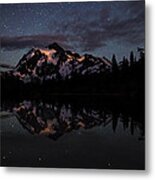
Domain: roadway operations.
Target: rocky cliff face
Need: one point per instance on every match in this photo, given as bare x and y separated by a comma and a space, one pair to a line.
55, 63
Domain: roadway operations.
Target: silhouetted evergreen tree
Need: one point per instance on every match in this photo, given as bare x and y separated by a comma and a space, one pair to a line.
114, 64
125, 78
124, 65
131, 58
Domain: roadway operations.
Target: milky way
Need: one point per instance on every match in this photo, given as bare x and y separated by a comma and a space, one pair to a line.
99, 28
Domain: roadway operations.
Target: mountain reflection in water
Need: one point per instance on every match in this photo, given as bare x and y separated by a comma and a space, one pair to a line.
56, 119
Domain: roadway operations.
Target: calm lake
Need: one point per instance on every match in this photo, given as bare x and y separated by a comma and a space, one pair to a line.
72, 133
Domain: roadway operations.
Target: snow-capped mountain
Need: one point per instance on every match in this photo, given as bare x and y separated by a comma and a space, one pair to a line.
54, 63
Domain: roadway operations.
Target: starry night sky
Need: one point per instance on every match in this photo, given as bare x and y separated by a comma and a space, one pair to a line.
99, 28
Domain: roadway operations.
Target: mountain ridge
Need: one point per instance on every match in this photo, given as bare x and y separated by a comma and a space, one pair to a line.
55, 63
53, 70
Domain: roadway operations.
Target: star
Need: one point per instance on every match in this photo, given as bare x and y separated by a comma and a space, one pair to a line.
100, 27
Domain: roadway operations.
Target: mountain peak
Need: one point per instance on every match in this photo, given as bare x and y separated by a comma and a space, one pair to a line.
53, 62
55, 46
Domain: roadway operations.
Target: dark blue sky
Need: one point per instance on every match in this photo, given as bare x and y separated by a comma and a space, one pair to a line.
99, 28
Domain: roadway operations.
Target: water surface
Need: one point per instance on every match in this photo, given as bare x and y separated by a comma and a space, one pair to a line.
72, 134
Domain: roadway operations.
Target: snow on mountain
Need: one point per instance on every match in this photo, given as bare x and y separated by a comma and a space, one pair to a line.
53, 62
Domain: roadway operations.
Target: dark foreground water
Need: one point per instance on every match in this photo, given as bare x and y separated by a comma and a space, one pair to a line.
77, 133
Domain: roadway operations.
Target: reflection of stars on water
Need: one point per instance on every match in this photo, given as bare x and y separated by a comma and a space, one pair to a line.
40, 159
79, 133
3, 157
12, 125
109, 164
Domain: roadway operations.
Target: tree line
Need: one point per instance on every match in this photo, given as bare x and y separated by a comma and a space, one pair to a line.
125, 78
